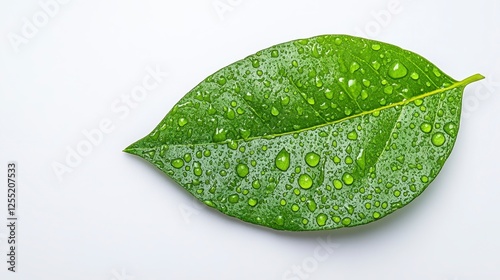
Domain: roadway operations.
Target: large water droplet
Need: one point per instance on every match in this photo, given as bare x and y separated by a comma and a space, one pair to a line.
252, 202
347, 178
233, 198
337, 184
177, 163
321, 219
220, 134
182, 122
305, 181
282, 160
311, 205
438, 139
274, 111
242, 170
353, 135
312, 159
280, 221
361, 159
354, 67
451, 129
346, 221
426, 127
397, 70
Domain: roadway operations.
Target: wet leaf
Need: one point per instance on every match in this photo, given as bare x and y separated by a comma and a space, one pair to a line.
321, 133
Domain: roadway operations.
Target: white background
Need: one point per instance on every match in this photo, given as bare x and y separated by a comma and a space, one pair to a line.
115, 217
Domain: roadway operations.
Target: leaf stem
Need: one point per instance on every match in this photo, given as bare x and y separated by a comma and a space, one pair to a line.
471, 79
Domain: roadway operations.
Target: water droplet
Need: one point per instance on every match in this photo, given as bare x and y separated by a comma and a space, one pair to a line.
230, 114
376, 215
338, 41
451, 129
347, 178
280, 221
388, 89
397, 70
233, 145
252, 202
282, 160
221, 81
353, 135
376, 64
337, 184
305, 181
285, 100
255, 63
209, 203
426, 127
242, 170
361, 159
354, 88
274, 111
321, 219
256, 184
197, 169
424, 179
438, 139
182, 122
187, 157
295, 208
346, 221
354, 67
311, 205
414, 76
312, 159
274, 53
375, 47
177, 163
233, 198
436, 72
220, 135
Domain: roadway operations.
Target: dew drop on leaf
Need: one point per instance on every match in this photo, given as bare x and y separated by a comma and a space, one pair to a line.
353, 135
242, 170
305, 181
182, 122
252, 202
233, 198
337, 184
426, 127
438, 139
177, 163
312, 159
451, 129
282, 160
321, 219
397, 70
347, 178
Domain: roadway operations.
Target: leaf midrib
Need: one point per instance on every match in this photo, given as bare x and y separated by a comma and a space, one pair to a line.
464, 82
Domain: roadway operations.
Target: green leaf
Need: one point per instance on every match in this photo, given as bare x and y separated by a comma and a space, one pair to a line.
321, 133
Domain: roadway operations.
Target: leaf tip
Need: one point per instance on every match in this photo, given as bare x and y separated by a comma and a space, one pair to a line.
130, 150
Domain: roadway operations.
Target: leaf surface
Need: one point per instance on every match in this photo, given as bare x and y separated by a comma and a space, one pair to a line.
321, 133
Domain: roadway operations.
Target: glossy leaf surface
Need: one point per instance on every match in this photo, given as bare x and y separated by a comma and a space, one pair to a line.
321, 133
